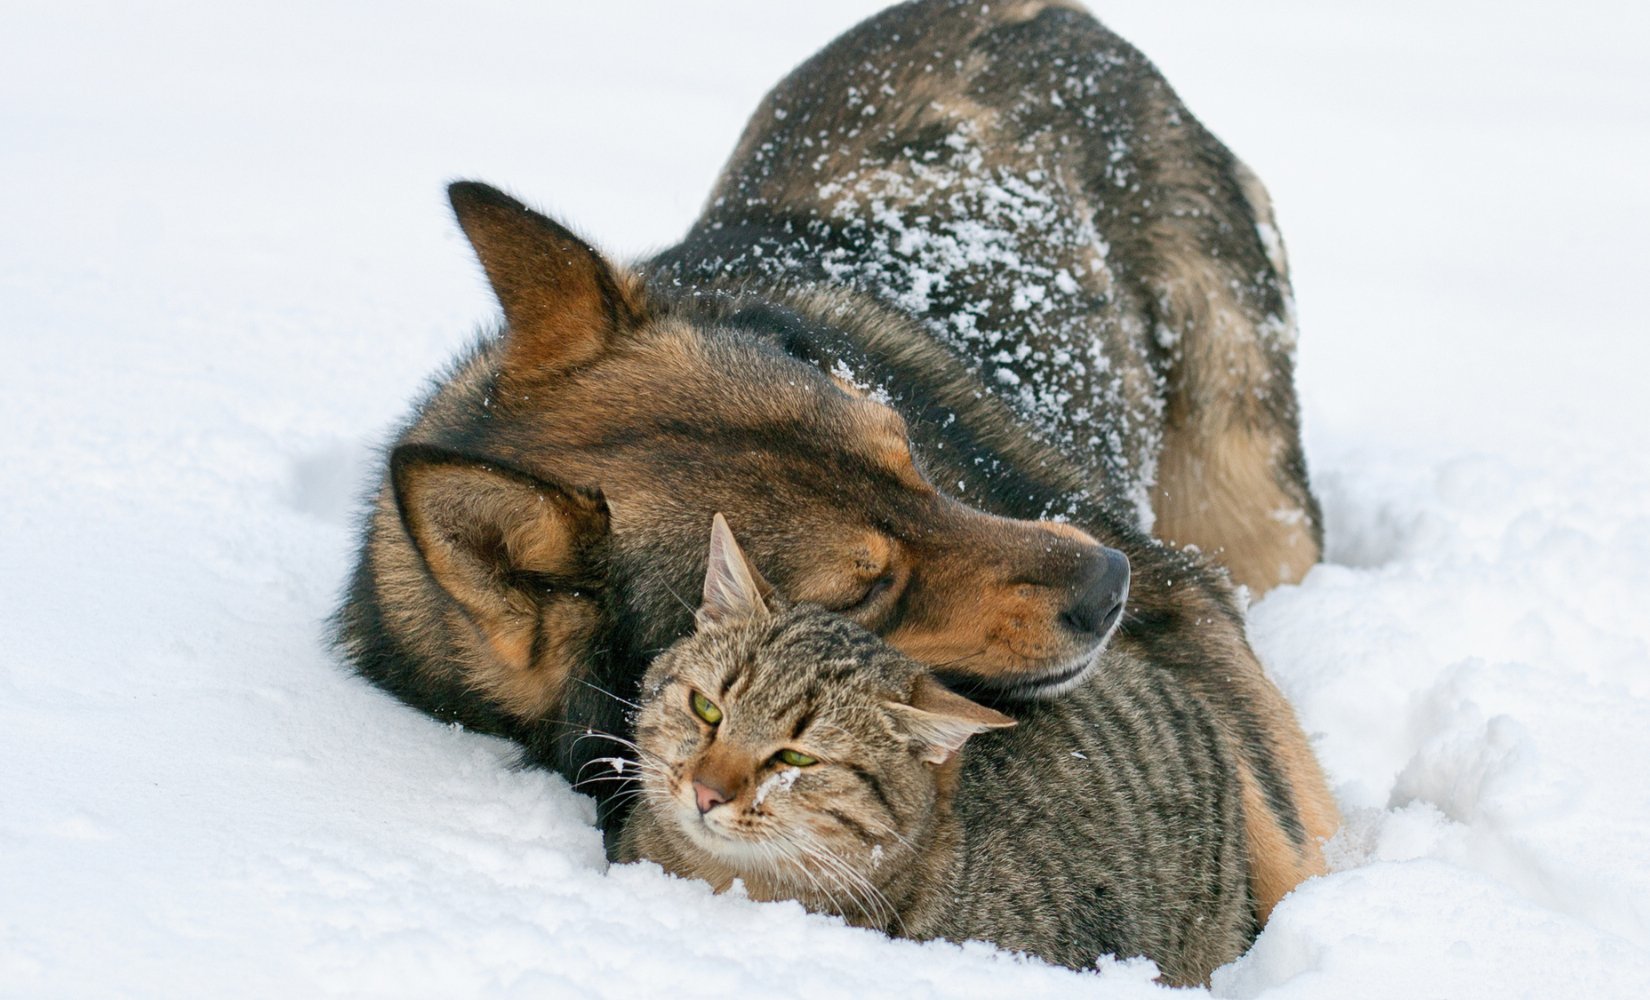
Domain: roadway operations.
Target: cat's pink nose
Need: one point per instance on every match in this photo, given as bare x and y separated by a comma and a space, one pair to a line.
708, 796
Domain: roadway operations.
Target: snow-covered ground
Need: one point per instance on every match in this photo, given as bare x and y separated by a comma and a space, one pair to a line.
226, 265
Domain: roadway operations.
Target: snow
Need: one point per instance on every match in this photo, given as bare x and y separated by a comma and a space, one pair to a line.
228, 266
780, 781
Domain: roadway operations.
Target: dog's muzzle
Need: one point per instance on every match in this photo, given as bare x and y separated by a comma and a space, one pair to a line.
1097, 599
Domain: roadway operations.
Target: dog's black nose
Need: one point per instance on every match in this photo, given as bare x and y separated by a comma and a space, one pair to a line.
1099, 595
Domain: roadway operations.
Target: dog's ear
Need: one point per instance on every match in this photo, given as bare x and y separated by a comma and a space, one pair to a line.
521, 557
939, 721
733, 588
563, 302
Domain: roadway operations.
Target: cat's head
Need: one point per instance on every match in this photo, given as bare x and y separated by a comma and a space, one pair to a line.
781, 739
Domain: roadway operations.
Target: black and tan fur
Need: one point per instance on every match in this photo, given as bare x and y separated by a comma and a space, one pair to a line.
1107, 821
931, 451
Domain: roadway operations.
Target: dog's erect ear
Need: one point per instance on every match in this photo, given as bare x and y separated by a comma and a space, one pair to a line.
733, 587
940, 721
521, 557
563, 302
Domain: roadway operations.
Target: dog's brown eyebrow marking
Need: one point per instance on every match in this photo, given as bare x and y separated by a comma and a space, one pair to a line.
894, 458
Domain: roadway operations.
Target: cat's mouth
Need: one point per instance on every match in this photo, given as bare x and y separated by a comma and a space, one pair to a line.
706, 829
707, 833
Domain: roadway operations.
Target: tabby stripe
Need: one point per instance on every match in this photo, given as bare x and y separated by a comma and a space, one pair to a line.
1195, 733
1118, 738
1072, 734
1251, 738
838, 674
1231, 849
852, 824
875, 785
1166, 715
805, 719
1255, 749
739, 681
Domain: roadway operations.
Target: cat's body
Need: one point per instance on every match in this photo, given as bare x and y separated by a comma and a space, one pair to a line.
1107, 821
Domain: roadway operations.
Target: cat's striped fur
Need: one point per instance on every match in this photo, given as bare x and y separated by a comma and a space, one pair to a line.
1107, 821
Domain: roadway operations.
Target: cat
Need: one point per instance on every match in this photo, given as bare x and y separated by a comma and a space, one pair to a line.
789, 748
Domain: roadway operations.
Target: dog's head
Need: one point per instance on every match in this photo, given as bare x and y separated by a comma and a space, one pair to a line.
566, 495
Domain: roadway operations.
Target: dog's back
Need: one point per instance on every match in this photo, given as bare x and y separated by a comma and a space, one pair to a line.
1027, 185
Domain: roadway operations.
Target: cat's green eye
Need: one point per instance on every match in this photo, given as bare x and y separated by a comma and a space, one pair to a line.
705, 709
796, 759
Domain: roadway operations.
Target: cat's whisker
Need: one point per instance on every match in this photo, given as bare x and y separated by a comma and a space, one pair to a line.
867, 898
956, 660
633, 790
571, 724
624, 771
869, 887
618, 798
624, 743
587, 785
643, 755
639, 750
792, 851
601, 690
597, 734
589, 732
888, 830
787, 850
625, 796
799, 861
672, 591
622, 767
827, 870
871, 902
604, 780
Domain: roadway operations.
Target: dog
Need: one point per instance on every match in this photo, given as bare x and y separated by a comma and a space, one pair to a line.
979, 332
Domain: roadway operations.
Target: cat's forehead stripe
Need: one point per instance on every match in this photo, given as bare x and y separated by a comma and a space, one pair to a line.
803, 721
740, 674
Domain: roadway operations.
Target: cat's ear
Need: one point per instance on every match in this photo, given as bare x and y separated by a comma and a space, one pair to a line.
733, 588
940, 721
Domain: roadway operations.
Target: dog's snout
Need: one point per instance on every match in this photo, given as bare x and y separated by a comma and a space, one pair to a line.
1097, 599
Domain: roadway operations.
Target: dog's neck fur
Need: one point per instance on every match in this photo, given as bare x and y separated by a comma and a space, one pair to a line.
951, 414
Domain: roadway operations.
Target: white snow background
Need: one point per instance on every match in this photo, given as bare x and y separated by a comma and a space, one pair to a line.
226, 264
